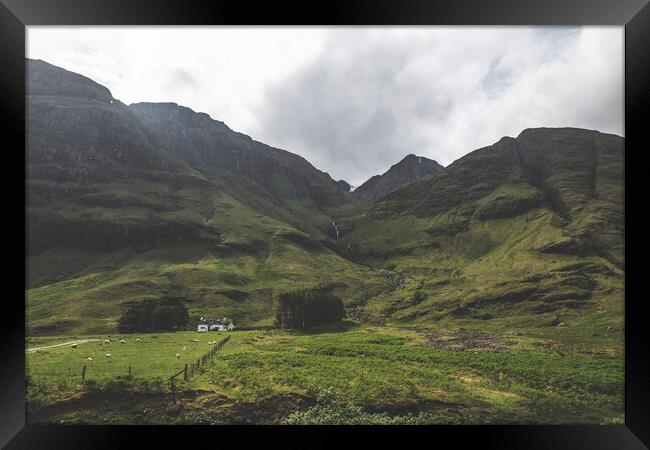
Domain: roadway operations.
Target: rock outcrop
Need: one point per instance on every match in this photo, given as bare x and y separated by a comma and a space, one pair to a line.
409, 170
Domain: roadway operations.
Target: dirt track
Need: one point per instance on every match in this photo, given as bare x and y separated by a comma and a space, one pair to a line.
65, 344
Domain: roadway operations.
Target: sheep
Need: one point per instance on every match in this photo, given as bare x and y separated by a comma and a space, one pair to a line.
195, 340
137, 340
209, 342
122, 341
184, 348
89, 358
178, 355
107, 341
74, 345
108, 355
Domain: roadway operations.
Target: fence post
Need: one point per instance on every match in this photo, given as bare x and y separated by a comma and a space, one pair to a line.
129, 371
185, 373
173, 389
83, 373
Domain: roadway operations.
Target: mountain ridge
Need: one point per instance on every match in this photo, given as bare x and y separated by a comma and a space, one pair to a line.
129, 202
410, 169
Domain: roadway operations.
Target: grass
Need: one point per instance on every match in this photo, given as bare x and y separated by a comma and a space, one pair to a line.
250, 244
350, 374
90, 303
54, 374
153, 356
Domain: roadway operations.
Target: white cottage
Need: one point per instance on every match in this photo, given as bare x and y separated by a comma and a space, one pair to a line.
215, 325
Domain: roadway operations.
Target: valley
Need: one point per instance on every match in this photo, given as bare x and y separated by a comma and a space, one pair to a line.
487, 291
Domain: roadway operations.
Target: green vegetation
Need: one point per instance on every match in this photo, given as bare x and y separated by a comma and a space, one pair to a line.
344, 374
491, 291
495, 294
307, 308
331, 410
164, 314
256, 258
54, 374
528, 231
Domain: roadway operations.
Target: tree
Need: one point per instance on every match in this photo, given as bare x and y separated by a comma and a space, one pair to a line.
131, 318
170, 314
163, 314
308, 308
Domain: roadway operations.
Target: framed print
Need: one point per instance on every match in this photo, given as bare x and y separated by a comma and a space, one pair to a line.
369, 218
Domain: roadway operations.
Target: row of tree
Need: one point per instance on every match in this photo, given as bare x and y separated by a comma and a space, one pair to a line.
164, 314
299, 309
307, 308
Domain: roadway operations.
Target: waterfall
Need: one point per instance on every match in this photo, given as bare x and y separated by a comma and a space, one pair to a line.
335, 229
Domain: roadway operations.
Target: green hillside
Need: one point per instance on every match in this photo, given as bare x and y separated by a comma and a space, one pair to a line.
527, 232
128, 202
120, 208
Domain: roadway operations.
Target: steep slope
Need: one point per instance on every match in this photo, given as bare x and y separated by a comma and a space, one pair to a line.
527, 231
409, 170
133, 202
130, 202
210, 146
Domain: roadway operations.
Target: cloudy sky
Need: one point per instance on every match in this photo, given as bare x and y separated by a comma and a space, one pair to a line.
355, 100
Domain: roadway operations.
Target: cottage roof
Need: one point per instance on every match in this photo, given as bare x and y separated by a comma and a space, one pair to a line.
223, 321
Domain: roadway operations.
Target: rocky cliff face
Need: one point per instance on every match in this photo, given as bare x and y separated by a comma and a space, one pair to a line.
209, 147
49, 80
77, 132
97, 164
409, 170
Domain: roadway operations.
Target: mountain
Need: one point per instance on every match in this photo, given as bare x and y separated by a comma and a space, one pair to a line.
129, 202
210, 147
529, 230
409, 170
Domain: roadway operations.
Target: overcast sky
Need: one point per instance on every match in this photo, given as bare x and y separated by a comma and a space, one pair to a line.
356, 100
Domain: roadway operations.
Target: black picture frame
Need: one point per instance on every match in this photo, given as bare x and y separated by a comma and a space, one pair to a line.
15, 15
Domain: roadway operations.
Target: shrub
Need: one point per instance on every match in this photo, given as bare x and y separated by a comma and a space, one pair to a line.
329, 410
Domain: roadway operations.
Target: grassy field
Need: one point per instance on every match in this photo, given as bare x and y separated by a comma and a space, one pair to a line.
350, 374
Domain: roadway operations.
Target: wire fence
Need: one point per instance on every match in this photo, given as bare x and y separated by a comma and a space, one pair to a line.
188, 371
196, 367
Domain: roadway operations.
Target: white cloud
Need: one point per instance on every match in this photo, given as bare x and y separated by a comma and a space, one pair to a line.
355, 100
218, 70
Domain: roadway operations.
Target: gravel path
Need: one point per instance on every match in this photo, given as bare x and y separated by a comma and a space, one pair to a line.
65, 344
